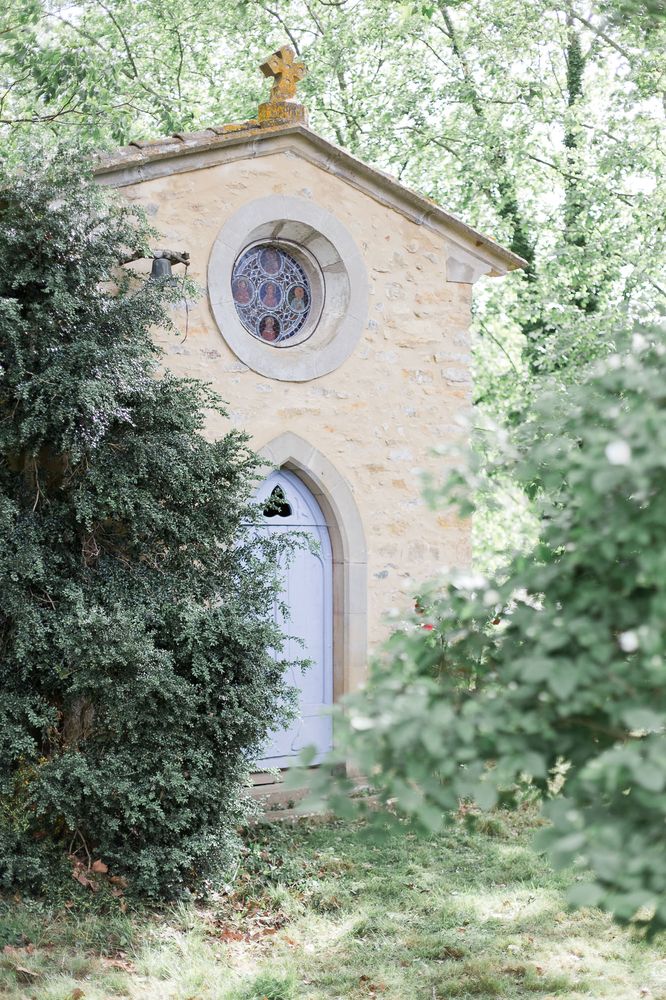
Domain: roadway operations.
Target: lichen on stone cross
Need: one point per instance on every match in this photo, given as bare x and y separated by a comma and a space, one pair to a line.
287, 72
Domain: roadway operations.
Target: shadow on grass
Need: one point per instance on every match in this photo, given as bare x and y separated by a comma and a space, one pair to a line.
323, 912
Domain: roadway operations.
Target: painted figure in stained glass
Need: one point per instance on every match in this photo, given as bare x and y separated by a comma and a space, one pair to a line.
269, 328
270, 295
271, 292
270, 260
298, 300
242, 291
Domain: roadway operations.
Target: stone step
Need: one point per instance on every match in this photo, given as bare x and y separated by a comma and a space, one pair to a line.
279, 803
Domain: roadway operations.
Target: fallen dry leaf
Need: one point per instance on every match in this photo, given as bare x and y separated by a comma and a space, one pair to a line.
450, 951
76, 994
12, 950
229, 934
372, 988
25, 975
263, 931
100, 867
123, 965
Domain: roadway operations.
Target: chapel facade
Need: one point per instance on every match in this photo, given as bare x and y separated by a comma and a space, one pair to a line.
335, 324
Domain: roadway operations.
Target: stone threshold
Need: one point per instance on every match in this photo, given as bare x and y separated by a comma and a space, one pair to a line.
281, 804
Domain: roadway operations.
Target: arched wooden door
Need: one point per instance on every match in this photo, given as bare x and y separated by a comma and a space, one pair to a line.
308, 593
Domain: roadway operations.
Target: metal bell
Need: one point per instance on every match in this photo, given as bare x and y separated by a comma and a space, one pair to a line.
161, 268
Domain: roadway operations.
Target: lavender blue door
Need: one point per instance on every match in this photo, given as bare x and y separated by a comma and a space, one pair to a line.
307, 592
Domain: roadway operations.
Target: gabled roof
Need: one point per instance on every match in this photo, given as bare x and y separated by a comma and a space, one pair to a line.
188, 151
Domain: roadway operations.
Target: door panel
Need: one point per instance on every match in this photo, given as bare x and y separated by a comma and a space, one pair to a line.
307, 592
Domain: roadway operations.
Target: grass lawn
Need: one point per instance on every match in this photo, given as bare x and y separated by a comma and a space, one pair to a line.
319, 911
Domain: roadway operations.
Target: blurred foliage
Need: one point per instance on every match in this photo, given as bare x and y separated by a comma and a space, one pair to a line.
555, 672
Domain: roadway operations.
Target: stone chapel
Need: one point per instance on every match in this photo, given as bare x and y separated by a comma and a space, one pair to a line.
335, 324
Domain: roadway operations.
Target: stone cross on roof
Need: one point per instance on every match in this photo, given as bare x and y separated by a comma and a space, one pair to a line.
287, 72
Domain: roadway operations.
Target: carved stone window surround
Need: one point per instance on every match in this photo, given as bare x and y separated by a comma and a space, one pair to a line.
299, 222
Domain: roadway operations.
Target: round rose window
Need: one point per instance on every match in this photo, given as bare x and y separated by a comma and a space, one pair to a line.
271, 292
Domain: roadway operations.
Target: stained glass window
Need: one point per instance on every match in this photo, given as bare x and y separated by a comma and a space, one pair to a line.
271, 292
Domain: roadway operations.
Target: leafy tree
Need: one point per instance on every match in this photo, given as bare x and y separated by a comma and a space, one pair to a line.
557, 670
136, 628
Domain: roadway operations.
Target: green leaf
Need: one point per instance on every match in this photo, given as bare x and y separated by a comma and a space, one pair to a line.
650, 776
643, 719
533, 764
485, 795
563, 680
585, 894
571, 843
536, 668
431, 817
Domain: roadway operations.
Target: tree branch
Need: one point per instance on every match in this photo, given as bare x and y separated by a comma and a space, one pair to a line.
601, 34
431, 140
89, 37
278, 17
521, 241
487, 333
66, 109
626, 198
314, 18
123, 36
181, 59
135, 71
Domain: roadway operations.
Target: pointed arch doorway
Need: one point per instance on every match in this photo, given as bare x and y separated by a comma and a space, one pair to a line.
307, 591
290, 453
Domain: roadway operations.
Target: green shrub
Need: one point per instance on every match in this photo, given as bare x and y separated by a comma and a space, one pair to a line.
136, 627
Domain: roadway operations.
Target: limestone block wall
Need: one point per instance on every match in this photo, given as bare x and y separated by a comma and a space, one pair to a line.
379, 415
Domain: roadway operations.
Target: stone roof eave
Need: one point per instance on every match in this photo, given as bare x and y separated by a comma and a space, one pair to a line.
479, 254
